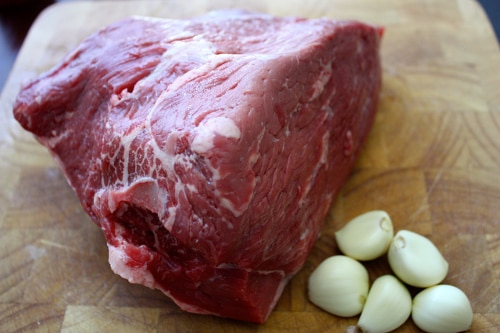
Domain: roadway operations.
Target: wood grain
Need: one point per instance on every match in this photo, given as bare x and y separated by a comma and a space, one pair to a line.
432, 161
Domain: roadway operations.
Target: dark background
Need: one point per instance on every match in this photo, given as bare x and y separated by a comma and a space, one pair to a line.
16, 17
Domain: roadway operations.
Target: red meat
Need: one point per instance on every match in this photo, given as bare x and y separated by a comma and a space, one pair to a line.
209, 150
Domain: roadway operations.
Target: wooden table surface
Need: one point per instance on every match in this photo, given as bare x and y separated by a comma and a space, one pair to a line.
432, 161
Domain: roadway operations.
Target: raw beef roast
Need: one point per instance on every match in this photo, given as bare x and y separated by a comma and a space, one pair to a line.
209, 150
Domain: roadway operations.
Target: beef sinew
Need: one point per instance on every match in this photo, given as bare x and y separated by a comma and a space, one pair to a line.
209, 150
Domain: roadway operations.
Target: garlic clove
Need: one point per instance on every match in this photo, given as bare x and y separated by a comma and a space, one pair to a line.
367, 236
339, 285
416, 260
442, 309
387, 306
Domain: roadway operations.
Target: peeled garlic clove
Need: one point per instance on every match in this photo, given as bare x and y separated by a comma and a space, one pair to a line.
339, 285
367, 236
442, 309
416, 260
387, 306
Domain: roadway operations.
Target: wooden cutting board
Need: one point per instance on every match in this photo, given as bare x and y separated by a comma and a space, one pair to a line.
432, 161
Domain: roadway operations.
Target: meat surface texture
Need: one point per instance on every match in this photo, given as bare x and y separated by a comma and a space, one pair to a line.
209, 150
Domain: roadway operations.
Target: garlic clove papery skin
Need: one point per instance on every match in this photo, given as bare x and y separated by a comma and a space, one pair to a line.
367, 236
339, 285
442, 309
387, 306
416, 260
